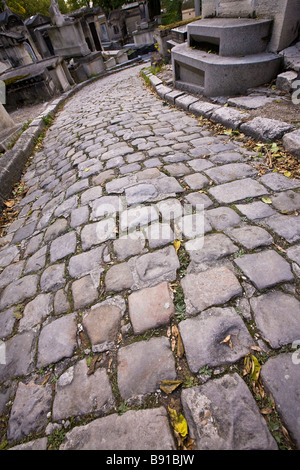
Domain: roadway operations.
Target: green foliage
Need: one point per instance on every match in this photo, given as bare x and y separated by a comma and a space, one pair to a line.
27, 8
172, 10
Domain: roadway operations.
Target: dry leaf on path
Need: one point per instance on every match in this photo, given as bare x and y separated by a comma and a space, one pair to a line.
168, 386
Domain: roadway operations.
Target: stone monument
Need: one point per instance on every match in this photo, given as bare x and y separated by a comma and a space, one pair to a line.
55, 14
235, 45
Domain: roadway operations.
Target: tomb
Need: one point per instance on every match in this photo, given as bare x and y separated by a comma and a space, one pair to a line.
230, 49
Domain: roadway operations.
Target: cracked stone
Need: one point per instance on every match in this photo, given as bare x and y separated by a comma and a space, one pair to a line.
226, 399
78, 393
102, 323
63, 246
29, 410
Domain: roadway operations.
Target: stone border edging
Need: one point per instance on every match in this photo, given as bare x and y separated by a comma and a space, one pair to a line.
12, 163
259, 128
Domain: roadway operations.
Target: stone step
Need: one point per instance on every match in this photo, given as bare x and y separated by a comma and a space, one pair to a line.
230, 36
212, 75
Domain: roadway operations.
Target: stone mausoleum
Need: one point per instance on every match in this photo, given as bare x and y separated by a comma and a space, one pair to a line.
235, 46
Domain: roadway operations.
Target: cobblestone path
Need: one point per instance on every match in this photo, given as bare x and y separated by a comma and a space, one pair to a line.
99, 306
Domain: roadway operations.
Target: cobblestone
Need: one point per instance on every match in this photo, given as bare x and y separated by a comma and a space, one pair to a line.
144, 252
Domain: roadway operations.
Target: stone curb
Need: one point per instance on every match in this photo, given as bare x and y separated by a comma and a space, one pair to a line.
258, 128
12, 163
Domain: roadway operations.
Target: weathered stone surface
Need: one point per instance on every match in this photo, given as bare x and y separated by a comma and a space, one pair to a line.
78, 393
102, 323
36, 311
223, 217
53, 278
105, 206
229, 117
85, 291
61, 303
24, 232
200, 164
265, 269
250, 102
237, 190
232, 171
277, 317
207, 349
214, 247
86, 263
198, 200
170, 209
279, 182
37, 261
286, 226
178, 169
192, 225
286, 201
150, 308
18, 291
29, 411
129, 245
143, 365
294, 253
7, 321
266, 129
196, 181
118, 278
57, 340
63, 246
111, 432
158, 234
57, 228
79, 216
158, 266
212, 287
137, 217
291, 143
37, 444
19, 356
140, 193
225, 400
99, 232
256, 210
11, 273
251, 236
280, 376
8, 255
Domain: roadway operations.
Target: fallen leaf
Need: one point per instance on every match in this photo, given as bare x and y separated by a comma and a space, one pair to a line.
266, 411
180, 347
86, 169
178, 422
255, 368
288, 174
168, 386
177, 245
266, 200
93, 363
227, 340
9, 203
